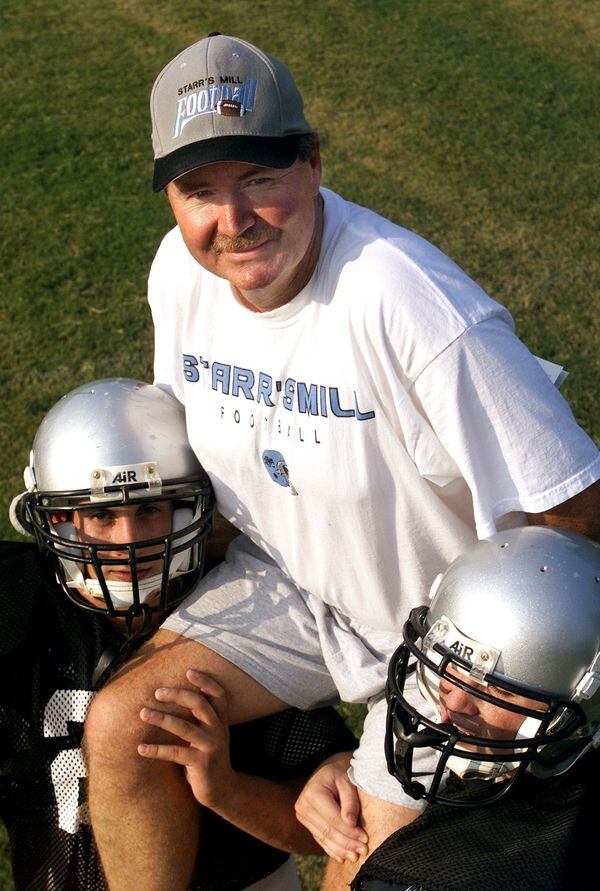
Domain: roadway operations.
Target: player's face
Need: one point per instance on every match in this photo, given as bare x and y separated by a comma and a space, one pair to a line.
124, 525
257, 227
476, 717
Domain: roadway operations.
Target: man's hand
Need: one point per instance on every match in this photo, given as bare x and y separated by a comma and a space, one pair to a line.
204, 748
329, 808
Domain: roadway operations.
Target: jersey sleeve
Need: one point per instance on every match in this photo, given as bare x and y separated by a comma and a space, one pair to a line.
508, 429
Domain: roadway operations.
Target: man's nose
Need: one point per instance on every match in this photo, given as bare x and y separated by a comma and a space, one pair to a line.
235, 215
457, 700
127, 530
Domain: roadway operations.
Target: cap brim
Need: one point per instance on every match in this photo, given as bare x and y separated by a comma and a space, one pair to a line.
266, 151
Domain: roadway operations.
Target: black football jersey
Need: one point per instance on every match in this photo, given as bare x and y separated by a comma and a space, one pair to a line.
49, 649
541, 837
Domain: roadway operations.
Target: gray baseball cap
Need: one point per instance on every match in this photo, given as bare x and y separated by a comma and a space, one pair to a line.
223, 99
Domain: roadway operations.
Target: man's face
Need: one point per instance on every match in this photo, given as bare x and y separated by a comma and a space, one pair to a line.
124, 525
257, 227
476, 717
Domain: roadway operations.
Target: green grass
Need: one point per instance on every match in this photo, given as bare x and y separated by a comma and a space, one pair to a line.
470, 121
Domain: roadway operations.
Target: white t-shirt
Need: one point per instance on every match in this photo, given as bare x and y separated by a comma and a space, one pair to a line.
364, 433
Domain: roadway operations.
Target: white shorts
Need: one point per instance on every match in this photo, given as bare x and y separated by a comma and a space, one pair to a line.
302, 650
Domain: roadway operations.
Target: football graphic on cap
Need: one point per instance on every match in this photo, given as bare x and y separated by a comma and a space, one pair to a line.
230, 108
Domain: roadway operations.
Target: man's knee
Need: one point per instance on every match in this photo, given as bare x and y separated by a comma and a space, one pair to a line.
113, 728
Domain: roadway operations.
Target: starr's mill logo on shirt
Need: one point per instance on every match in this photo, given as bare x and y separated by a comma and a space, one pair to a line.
226, 95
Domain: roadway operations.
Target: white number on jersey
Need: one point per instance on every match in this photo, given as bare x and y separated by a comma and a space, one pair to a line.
69, 766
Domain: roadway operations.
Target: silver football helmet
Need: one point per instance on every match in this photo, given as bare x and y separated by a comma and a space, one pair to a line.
109, 444
516, 615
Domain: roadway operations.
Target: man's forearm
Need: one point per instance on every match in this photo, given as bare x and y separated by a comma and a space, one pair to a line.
265, 809
579, 514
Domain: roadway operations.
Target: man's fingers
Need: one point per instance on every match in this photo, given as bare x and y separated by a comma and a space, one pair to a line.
325, 813
194, 701
328, 807
331, 834
183, 755
349, 803
212, 691
205, 682
209, 697
191, 733
333, 842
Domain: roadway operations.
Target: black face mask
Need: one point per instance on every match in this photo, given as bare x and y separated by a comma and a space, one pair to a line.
408, 730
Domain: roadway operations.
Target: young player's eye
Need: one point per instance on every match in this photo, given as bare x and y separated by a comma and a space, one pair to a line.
150, 510
99, 516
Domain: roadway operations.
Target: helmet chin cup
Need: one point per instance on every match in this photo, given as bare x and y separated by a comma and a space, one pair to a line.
121, 593
470, 767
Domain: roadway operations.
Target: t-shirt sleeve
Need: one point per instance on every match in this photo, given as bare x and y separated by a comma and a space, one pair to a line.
512, 435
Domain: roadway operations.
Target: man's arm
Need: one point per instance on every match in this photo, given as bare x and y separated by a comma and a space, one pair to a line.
223, 533
265, 809
579, 514
259, 806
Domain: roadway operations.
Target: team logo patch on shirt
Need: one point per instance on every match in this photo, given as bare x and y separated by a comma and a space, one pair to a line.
276, 467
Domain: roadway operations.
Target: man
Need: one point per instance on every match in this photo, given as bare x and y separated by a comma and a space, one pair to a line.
121, 510
364, 412
515, 683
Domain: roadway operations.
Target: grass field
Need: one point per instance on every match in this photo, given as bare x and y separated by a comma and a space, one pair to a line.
469, 121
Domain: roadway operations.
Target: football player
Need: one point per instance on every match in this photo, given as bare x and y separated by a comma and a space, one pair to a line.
508, 652
121, 511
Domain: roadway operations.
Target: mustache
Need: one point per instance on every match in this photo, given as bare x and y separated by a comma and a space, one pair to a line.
222, 244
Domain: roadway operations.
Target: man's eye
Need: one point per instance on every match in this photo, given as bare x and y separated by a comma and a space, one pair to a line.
261, 182
148, 510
